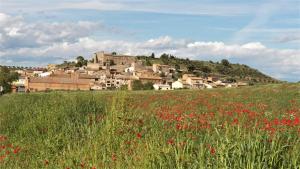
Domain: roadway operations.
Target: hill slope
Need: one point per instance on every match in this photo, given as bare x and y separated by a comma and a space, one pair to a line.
224, 69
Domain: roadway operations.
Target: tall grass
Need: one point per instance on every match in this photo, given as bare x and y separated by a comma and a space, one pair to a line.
125, 130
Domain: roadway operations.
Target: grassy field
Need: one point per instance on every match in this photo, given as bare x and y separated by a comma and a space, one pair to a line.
251, 127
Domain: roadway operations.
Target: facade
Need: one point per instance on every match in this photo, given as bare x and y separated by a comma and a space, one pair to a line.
35, 84
177, 85
162, 87
19, 85
101, 58
151, 79
93, 66
212, 79
195, 82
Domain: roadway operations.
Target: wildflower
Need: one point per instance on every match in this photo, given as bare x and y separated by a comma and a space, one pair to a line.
114, 157
17, 150
46, 162
235, 121
170, 142
212, 151
139, 135
93, 167
296, 121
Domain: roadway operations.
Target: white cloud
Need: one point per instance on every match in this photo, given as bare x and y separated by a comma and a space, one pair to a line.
16, 33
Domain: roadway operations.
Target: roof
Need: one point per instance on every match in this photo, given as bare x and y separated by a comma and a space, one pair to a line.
58, 80
150, 77
162, 85
196, 78
125, 77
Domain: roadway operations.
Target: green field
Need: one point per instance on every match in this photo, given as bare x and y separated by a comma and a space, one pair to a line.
251, 127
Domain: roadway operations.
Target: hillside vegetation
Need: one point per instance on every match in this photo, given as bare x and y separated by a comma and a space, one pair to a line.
251, 127
223, 69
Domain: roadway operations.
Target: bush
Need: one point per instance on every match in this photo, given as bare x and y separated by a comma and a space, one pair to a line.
138, 85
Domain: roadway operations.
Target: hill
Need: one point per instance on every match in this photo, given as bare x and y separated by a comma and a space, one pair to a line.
224, 69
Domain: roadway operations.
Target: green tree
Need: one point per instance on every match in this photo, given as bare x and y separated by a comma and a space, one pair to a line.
148, 62
164, 58
152, 55
148, 86
191, 68
6, 78
177, 67
225, 62
206, 69
81, 61
137, 85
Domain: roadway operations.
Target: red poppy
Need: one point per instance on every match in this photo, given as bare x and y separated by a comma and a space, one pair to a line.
114, 157
170, 142
212, 151
17, 150
139, 135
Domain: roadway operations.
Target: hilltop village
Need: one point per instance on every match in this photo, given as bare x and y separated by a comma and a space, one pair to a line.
111, 71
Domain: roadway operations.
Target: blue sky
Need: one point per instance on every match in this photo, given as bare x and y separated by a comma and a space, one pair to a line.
264, 34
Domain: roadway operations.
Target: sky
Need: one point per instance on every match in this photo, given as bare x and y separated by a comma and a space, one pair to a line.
264, 34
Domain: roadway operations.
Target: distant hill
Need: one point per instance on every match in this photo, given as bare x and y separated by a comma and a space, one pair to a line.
223, 69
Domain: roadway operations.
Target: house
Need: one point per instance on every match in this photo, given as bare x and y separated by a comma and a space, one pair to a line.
158, 68
162, 87
34, 84
45, 74
208, 86
211, 79
195, 82
94, 66
185, 76
19, 85
219, 83
129, 69
37, 72
151, 79
240, 84
179, 85
228, 86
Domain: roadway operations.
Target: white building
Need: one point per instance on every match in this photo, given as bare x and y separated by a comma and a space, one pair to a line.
208, 86
177, 85
129, 69
161, 87
45, 74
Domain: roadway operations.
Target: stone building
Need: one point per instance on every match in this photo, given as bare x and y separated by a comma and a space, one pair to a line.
36, 84
102, 58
